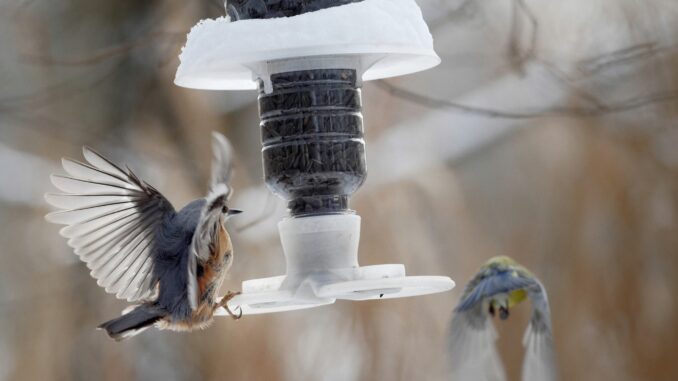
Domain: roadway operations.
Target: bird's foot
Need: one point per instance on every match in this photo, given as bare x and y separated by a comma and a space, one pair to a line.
224, 304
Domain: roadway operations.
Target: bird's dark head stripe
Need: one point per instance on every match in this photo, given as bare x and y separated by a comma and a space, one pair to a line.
218, 202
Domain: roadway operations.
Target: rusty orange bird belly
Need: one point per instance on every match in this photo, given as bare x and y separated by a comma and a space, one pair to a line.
209, 280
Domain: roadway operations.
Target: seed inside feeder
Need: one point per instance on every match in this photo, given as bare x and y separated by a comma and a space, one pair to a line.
311, 130
265, 9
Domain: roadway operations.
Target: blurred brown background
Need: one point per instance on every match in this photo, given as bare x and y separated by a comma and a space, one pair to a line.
548, 133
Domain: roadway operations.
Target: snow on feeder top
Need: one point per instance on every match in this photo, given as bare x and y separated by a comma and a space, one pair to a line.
308, 59
386, 38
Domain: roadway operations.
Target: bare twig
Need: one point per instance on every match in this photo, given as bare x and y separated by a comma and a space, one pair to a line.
462, 12
517, 56
104, 54
430, 102
564, 79
596, 64
57, 92
52, 129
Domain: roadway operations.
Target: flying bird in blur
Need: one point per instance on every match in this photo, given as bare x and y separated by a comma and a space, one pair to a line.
169, 264
500, 284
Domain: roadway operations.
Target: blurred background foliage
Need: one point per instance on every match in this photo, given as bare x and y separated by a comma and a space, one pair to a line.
548, 133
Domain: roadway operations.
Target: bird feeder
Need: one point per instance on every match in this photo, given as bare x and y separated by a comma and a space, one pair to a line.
308, 59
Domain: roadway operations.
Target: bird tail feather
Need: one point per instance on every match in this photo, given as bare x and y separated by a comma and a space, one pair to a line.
133, 322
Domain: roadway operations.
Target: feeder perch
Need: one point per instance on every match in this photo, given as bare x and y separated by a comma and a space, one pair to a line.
308, 58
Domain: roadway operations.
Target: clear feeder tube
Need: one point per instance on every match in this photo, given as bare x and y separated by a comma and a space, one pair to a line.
312, 136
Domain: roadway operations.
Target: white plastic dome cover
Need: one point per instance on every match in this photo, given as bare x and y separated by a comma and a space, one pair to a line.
390, 36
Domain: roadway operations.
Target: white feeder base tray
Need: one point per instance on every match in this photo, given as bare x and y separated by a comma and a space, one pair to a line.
322, 266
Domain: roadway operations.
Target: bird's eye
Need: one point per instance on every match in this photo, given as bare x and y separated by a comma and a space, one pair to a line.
224, 209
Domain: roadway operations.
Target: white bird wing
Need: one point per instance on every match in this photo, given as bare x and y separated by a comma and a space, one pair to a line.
212, 213
539, 363
112, 219
220, 192
222, 161
472, 350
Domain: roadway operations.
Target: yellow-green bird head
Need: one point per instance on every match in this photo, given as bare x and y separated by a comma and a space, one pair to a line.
500, 283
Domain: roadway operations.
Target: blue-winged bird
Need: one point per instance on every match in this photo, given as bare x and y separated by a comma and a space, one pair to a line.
500, 284
170, 264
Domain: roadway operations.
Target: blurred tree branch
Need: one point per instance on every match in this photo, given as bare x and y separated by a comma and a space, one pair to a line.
516, 55
629, 54
574, 111
104, 54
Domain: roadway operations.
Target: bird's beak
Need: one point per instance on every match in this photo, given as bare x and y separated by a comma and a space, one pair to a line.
233, 211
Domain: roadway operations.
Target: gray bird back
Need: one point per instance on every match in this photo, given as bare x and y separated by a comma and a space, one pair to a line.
172, 253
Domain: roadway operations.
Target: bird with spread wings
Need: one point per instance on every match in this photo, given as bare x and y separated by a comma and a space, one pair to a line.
169, 264
500, 284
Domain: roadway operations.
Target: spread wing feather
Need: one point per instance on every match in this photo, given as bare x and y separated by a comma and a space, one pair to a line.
112, 217
540, 362
472, 351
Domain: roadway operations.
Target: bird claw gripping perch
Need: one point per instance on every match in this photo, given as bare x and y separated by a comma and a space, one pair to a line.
308, 69
223, 303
